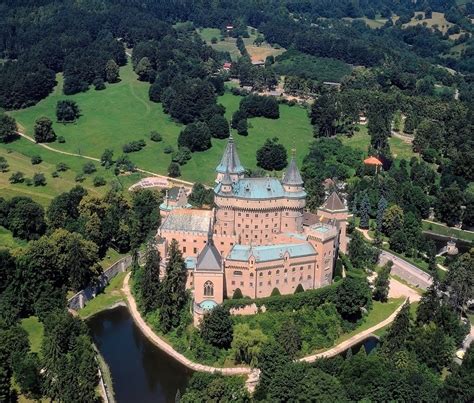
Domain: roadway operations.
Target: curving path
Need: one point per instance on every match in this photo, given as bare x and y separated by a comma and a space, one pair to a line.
162, 344
167, 348
47, 147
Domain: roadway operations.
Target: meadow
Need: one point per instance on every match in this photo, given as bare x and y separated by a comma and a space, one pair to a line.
122, 113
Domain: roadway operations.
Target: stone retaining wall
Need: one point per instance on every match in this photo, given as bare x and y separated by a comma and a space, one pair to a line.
79, 300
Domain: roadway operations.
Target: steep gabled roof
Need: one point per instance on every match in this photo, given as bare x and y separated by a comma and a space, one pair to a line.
230, 160
333, 203
209, 259
292, 175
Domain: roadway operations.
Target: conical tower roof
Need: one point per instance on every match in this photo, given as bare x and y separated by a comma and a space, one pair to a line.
230, 160
292, 175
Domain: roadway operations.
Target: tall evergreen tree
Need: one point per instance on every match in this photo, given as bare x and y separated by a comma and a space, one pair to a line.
289, 337
216, 327
399, 331
382, 284
174, 297
150, 284
364, 212
381, 206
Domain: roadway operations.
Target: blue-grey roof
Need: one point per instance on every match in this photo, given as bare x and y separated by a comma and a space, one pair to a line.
270, 252
260, 188
190, 262
208, 304
230, 160
292, 175
187, 220
209, 259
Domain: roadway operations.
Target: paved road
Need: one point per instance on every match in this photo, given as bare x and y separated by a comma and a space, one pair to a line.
406, 270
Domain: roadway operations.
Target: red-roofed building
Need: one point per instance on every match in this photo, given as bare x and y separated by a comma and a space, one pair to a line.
227, 66
372, 161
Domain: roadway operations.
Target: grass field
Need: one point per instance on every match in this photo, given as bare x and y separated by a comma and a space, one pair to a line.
8, 241
35, 330
361, 140
111, 295
228, 45
123, 113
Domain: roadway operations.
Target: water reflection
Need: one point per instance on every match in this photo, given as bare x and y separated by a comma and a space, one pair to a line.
140, 371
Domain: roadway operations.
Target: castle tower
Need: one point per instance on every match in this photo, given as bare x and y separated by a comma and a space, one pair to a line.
333, 208
230, 162
292, 217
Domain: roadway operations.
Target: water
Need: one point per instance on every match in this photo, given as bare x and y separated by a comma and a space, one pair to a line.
141, 372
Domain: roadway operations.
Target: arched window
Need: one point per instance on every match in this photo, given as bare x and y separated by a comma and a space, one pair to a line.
208, 289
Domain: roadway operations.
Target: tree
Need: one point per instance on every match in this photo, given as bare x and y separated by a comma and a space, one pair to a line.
144, 69
382, 284
324, 115
17, 177
381, 207
272, 155
36, 159
242, 127
289, 338
174, 296
89, 168
106, 159
99, 181
398, 333
39, 179
392, 220
353, 294
459, 385
237, 294
112, 74
25, 218
44, 132
219, 127
448, 205
145, 217
174, 170
7, 128
398, 241
67, 110
201, 196
247, 343
150, 284
196, 137
216, 327
3, 164
364, 211
459, 281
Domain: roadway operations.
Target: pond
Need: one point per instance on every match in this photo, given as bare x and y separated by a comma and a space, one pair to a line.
141, 372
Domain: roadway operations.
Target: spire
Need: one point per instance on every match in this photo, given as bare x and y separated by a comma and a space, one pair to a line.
230, 160
292, 175
333, 203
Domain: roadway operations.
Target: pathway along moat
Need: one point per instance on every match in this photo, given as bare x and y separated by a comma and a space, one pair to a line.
141, 372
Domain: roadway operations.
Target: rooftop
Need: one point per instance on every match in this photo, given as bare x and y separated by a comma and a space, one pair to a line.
230, 160
261, 188
270, 252
191, 220
333, 203
372, 161
209, 259
292, 175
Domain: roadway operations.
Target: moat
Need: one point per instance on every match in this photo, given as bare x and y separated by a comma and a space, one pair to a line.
140, 371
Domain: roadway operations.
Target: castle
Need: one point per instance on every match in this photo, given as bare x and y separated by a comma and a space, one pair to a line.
257, 238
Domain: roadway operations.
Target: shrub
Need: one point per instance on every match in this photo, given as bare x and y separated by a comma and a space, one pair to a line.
256, 105
28, 181
67, 111
99, 181
99, 84
168, 149
155, 136
3, 164
237, 294
173, 170
55, 174
133, 146
299, 289
17, 177
61, 139
89, 168
39, 179
36, 159
62, 167
181, 156
275, 292
80, 178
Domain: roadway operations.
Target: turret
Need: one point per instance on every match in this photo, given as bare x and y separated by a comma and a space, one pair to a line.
226, 183
292, 181
230, 162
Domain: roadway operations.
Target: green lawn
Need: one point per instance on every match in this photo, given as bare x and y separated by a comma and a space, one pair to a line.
8, 241
448, 231
18, 154
361, 140
123, 113
35, 330
111, 295
379, 312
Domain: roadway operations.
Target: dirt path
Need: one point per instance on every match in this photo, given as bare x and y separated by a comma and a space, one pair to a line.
55, 150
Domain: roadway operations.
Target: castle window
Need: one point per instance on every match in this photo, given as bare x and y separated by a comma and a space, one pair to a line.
251, 284
301, 268
241, 283
278, 271
269, 273
208, 289
293, 279
293, 269
237, 273
256, 227
309, 277
286, 280
225, 224
246, 226
266, 215
269, 283
246, 215
233, 282
194, 250
256, 236
278, 281
260, 284
184, 240
238, 225
256, 215
251, 274
184, 249
286, 270
260, 274
225, 212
